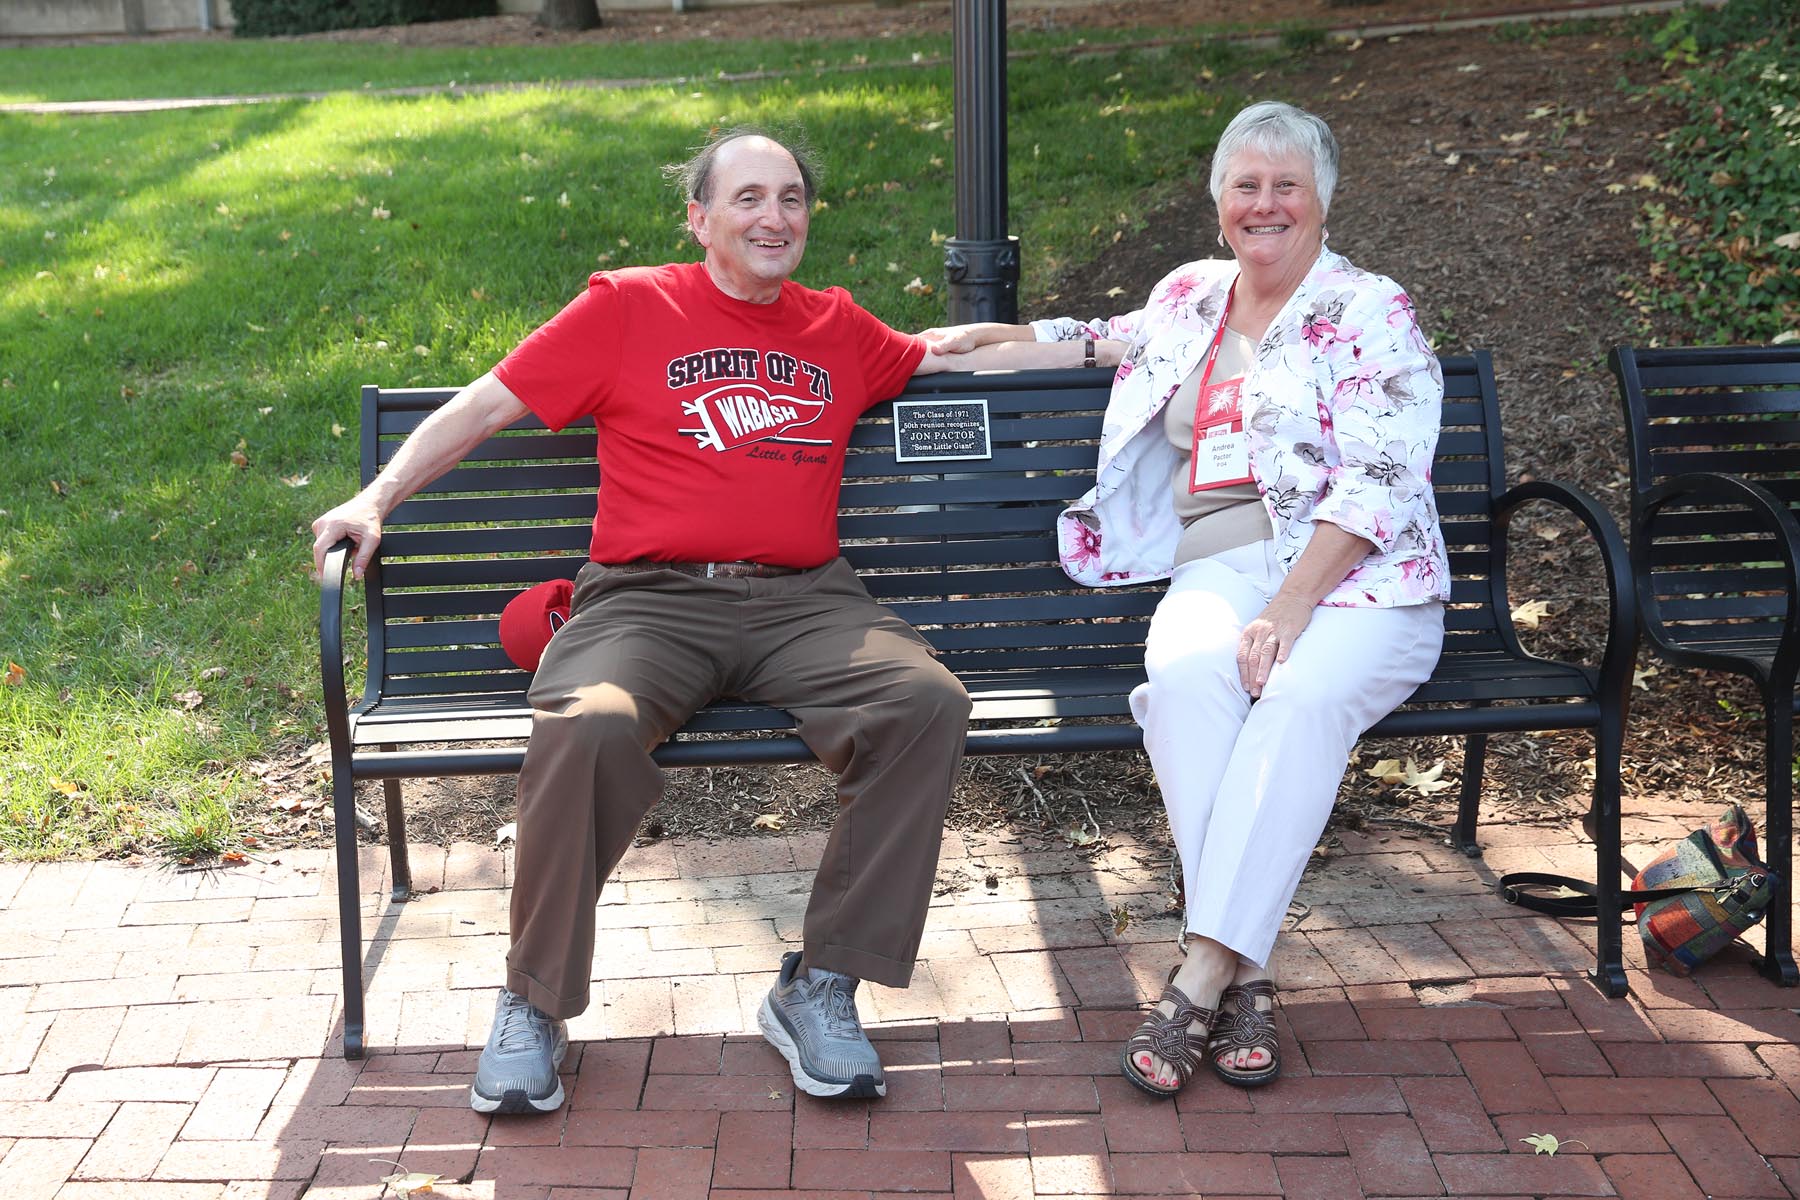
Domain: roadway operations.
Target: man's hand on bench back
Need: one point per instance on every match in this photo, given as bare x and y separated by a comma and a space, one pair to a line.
473, 415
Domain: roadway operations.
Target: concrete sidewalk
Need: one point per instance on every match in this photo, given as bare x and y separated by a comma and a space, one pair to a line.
173, 1037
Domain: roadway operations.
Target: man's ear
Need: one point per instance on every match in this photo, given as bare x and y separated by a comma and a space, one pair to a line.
696, 216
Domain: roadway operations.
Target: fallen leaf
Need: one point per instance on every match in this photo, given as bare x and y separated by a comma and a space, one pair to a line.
774, 1094
337, 430
1384, 769
296, 481
918, 287
1639, 678
1121, 916
239, 459
1114, 291
380, 213
1789, 241
15, 674
1547, 1143
189, 699
408, 1182
1076, 836
508, 832
767, 821
234, 856
1615, 188
1542, 110
1530, 613
65, 787
1645, 182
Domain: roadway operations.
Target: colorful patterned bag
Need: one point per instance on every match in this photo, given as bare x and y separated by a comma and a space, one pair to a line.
1730, 891
1692, 900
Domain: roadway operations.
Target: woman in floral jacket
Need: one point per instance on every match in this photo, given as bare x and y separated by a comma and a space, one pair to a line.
1267, 448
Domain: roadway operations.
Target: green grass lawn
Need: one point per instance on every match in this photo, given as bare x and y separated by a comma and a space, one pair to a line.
189, 301
260, 66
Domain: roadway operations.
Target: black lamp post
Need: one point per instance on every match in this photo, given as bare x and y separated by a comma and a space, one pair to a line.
981, 263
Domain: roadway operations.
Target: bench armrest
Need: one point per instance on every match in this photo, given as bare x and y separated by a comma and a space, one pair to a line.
331, 649
1765, 506
1620, 654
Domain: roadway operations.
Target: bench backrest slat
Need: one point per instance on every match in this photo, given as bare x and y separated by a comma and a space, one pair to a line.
1710, 571
966, 549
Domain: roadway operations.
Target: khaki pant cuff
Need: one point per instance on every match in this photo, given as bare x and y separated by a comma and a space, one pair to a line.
846, 960
543, 999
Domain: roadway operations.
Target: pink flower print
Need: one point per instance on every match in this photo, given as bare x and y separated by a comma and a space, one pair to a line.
1400, 311
1083, 546
1359, 385
1318, 330
1180, 289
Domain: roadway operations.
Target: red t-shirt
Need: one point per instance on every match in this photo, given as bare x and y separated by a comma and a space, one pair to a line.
722, 424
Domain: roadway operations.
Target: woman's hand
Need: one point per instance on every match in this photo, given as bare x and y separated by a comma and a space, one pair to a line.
1269, 639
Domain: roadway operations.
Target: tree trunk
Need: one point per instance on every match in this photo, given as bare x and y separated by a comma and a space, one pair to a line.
570, 14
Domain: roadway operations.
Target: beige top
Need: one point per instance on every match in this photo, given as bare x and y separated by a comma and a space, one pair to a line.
1220, 518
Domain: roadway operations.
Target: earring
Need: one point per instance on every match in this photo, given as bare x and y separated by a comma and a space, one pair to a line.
1221, 237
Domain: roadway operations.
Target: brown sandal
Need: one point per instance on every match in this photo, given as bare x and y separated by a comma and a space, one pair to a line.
1169, 1039
1244, 1026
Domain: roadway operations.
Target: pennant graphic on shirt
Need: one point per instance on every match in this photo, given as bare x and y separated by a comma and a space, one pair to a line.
735, 416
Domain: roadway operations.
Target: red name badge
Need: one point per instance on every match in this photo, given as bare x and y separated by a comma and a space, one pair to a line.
1221, 450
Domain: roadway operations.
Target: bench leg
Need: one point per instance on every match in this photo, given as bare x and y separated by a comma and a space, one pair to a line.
1609, 965
396, 834
1468, 808
1778, 844
343, 805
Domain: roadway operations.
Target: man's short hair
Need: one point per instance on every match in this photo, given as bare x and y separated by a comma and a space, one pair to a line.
694, 175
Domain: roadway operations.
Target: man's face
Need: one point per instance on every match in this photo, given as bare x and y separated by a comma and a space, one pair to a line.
753, 224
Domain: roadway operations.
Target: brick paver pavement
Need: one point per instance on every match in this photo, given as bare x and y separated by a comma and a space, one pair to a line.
173, 1036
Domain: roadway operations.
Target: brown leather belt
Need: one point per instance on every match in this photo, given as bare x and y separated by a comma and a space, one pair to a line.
707, 570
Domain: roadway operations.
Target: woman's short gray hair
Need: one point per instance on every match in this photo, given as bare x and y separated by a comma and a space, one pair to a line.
1276, 129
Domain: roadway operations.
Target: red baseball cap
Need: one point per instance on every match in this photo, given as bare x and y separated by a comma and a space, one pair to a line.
531, 618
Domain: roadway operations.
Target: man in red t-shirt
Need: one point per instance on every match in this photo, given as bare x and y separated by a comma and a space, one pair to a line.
724, 395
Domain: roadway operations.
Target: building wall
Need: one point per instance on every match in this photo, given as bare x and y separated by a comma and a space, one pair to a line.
65, 18
75, 18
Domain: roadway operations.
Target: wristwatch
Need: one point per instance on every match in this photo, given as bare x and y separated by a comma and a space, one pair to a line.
1087, 353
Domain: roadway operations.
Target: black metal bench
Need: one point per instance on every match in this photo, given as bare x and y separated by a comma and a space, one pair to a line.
968, 555
1715, 549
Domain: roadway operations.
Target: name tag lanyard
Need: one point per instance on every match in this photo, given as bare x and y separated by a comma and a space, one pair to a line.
1221, 453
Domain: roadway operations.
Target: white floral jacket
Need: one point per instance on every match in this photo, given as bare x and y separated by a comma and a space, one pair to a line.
1342, 407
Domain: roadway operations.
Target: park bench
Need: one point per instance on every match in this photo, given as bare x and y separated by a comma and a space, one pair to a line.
1715, 549
965, 550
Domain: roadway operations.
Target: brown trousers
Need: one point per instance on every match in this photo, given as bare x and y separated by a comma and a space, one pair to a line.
642, 652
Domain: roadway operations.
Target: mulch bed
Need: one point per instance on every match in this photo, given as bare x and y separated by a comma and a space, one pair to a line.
1496, 178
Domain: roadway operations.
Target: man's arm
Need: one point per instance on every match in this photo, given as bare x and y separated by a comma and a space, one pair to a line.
473, 415
1019, 355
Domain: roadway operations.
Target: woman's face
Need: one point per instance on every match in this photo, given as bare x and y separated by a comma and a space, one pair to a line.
1269, 210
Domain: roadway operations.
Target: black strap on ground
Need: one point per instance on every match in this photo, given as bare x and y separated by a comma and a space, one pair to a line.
1582, 904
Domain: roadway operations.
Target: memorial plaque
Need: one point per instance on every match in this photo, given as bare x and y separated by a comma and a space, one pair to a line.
941, 430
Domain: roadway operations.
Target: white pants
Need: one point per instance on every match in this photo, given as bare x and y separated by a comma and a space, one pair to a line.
1248, 786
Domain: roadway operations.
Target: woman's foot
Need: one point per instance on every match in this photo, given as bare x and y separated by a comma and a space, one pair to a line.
1196, 985
1243, 1045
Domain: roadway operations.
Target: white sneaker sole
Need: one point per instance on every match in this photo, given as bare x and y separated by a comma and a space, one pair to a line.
776, 1034
516, 1102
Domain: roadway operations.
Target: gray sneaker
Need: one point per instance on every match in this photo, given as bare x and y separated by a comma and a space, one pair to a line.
517, 1072
813, 1023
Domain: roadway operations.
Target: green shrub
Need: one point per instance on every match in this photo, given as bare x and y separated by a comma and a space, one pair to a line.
1726, 243
270, 18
